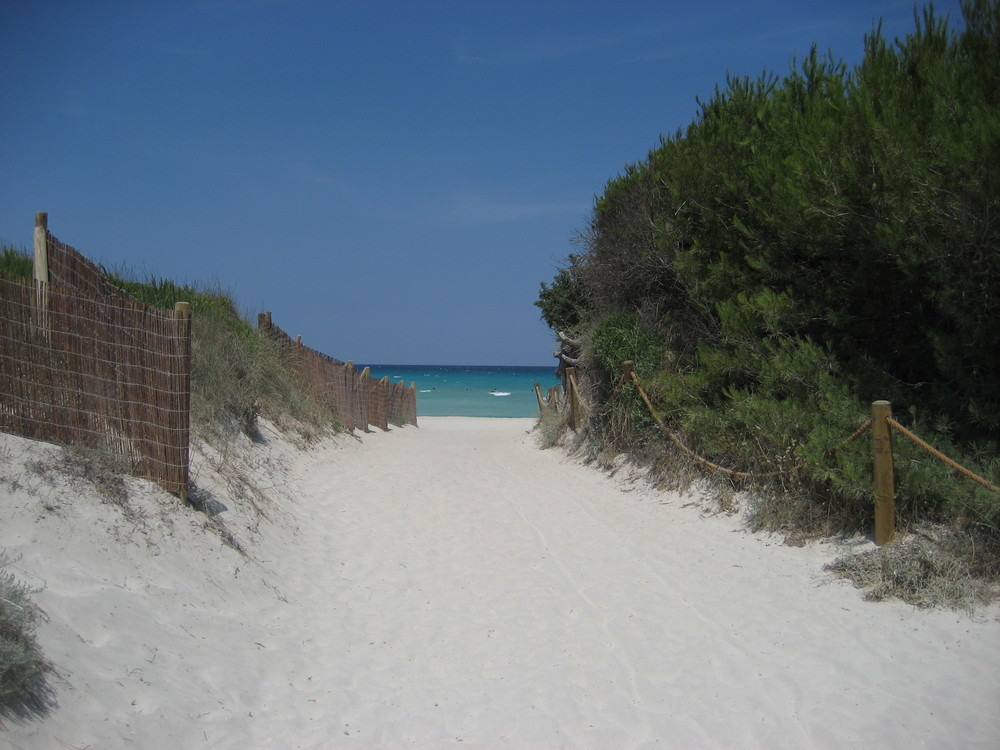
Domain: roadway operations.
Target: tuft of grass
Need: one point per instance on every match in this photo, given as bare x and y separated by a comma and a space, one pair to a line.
24, 671
552, 425
98, 467
16, 262
238, 374
919, 570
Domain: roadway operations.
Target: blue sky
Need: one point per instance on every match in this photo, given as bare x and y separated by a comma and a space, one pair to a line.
393, 180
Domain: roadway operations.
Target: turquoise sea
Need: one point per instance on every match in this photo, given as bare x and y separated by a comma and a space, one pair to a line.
472, 391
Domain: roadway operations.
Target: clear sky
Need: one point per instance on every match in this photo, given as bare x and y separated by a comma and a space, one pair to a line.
393, 180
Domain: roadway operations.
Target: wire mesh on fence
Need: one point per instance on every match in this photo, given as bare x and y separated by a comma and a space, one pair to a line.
104, 371
68, 268
355, 399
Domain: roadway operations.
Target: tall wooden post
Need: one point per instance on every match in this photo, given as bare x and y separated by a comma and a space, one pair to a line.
182, 414
553, 397
538, 395
574, 398
41, 267
41, 247
885, 501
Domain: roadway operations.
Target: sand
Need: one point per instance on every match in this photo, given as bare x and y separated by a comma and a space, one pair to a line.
453, 585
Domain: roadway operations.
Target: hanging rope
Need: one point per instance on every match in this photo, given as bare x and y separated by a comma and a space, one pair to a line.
858, 433
630, 373
941, 457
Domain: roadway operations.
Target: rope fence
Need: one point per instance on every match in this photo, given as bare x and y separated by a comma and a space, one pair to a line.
879, 423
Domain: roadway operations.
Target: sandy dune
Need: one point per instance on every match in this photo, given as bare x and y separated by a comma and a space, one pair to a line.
455, 586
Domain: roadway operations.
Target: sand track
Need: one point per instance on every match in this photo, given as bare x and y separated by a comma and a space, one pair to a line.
454, 586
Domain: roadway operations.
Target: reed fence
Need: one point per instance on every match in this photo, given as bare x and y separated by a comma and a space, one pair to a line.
355, 398
82, 362
881, 424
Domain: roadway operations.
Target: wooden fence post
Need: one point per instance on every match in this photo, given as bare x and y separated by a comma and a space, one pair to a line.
182, 313
538, 395
553, 397
885, 503
41, 268
41, 247
574, 398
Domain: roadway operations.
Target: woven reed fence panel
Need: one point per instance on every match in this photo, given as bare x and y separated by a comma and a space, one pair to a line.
402, 405
104, 371
377, 398
355, 399
70, 269
328, 380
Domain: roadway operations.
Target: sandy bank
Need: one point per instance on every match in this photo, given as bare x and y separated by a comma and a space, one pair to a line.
453, 586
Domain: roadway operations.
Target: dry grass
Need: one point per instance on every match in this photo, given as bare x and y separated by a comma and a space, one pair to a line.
928, 569
24, 671
553, 423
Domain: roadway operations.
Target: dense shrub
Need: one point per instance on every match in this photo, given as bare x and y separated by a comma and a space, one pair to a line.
811, 243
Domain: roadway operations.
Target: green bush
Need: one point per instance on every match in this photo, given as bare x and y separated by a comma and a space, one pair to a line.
810, 243
622, 337
15, 262
562, 302
24, 672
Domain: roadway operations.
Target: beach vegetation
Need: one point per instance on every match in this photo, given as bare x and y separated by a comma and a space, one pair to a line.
16, 262
238, 373
810, 243
552, 426
561, 302
24, 671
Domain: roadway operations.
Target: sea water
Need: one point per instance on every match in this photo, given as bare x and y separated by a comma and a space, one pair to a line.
472, 391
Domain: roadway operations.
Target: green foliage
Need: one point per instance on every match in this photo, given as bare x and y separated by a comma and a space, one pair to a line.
562, 302
811, 243
237, 372
239, 375
24, 691
214, 304
16, 263
619, 338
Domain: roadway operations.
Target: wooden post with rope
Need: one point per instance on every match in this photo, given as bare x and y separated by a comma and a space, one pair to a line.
885, 502
574, 399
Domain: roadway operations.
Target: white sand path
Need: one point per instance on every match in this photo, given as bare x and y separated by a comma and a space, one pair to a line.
455, 586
